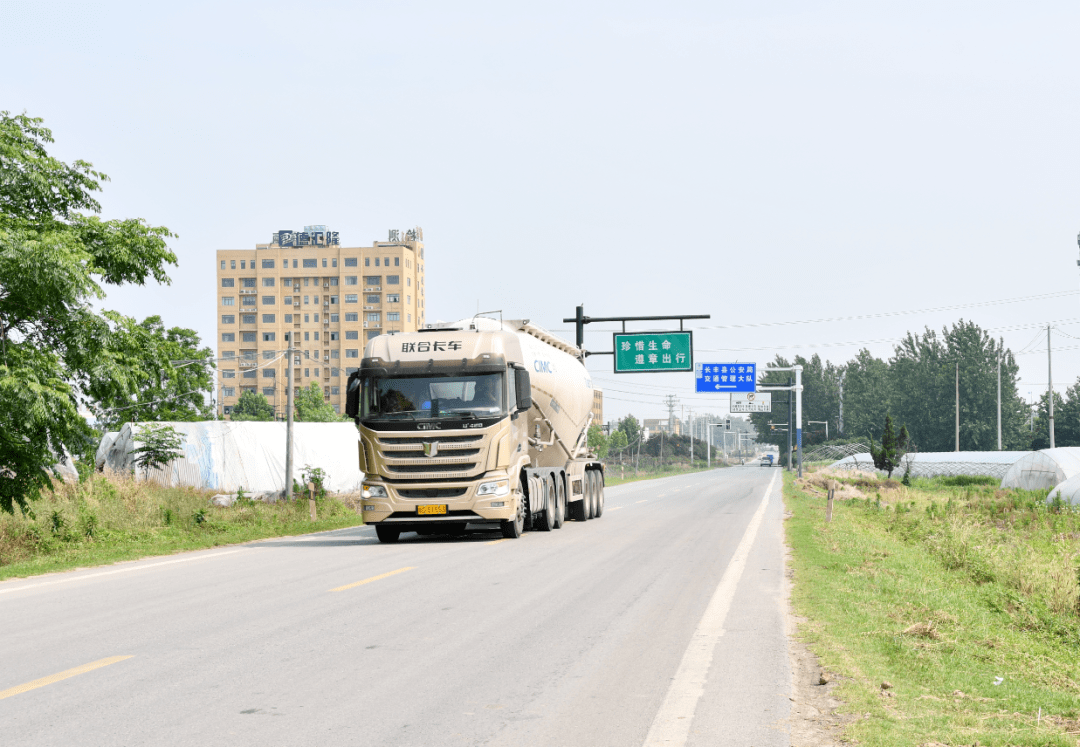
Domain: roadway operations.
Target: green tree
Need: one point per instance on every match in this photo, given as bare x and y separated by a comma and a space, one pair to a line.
312, 407
54, 262
598, 442
631, 428
171, 374
893, 447
252, 406
867, 392
1040, 435
617, 441
761, 420
159, 445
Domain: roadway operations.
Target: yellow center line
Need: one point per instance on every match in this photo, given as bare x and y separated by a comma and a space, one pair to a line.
374, 578
616, 508
495, 542
640, 501
19, 689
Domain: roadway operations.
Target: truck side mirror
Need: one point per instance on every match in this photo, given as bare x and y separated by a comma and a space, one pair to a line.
523, 390
352, 395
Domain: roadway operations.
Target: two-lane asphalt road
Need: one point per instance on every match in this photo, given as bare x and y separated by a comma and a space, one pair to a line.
663, 622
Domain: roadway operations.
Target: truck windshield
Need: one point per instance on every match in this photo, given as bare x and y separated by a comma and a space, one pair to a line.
424, 397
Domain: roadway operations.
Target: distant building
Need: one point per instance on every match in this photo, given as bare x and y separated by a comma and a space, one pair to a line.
325, 300
662, 425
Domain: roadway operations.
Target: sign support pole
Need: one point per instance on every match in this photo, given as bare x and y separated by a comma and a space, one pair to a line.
288, 422
798, 414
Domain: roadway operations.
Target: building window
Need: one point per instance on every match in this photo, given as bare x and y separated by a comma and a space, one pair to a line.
333, 281
307, 373
223, 264
372, 298
352, 334
269, 300
268, 318
311, 263
307, 335
228, 301
306, 299
350, 280
352, 316
350, 298
335, 390
393, 316
334, 354
268, 391
377, 262
251, 374
334, 318
229, 391
228, 374
316, 299
316, 334
288, 318
269, 373
288, 300
352, 353
408, 299
228, 319
307, 317
372, 279
410, 317
333, 262
393, 298
248, 301
293, 263
247, 318
287, 336
316, 316
306, 281
228, 353
373, 316
243, 265
232, 264
268, 336
248, 336
397, 261
324, 262
228, 282
367, 261
247, 282
268, 264
333, 299
268, 282
228, 337
350, 261
333, 336
268, 355
393, 280
371, 335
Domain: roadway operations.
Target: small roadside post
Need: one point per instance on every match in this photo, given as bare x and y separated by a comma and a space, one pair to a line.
311, 499
828, 504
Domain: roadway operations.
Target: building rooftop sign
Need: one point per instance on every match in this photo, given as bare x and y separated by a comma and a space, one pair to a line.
307, 237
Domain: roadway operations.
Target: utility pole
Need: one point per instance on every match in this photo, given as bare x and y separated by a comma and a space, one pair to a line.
958, 405
691, 439
671, 401
288, 422
708, 445
999, 400
1050, 385
840, 384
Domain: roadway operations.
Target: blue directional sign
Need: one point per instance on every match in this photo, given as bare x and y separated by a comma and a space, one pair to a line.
725, 377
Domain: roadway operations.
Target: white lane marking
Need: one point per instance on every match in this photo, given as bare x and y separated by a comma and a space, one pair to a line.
671, 726
118, 570
644, 501
615, 508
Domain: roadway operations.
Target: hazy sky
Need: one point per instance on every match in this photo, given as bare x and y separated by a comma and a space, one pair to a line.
763, 162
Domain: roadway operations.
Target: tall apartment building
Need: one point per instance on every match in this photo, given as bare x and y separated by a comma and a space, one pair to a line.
305, 290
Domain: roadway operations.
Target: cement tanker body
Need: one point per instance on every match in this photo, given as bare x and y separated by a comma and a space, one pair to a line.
472, 423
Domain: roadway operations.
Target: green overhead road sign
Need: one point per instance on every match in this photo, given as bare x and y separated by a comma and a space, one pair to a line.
654, 352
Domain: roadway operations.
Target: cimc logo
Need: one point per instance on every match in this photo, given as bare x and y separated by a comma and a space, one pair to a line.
543, 366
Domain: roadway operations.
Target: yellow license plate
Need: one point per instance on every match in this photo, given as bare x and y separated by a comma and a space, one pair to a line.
431, 509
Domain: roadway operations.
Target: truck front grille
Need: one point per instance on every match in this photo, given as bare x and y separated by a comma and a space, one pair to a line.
432, 468
427, 493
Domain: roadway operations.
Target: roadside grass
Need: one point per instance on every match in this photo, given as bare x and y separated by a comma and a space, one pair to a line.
106, 519
611, 470
939, 590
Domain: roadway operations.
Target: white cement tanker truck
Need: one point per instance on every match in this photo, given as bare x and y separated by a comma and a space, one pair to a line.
474, 422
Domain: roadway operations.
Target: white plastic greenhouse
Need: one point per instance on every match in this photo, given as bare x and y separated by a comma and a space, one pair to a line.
1040, 470
225, 455
943, 463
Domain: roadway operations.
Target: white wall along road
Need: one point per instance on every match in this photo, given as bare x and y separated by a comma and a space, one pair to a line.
661, 623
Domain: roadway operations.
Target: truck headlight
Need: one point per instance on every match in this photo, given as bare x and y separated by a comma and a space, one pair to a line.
495, 487
374, 491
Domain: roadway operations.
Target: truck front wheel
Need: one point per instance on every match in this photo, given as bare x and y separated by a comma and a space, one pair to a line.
387, 535
512, 528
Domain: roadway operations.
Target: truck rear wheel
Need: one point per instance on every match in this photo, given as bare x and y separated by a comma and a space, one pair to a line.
560, 502
592, 493
598, 500
546, 521
512, 528
388, 535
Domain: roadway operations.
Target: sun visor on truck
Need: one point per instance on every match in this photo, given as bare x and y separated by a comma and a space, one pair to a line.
378, 368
